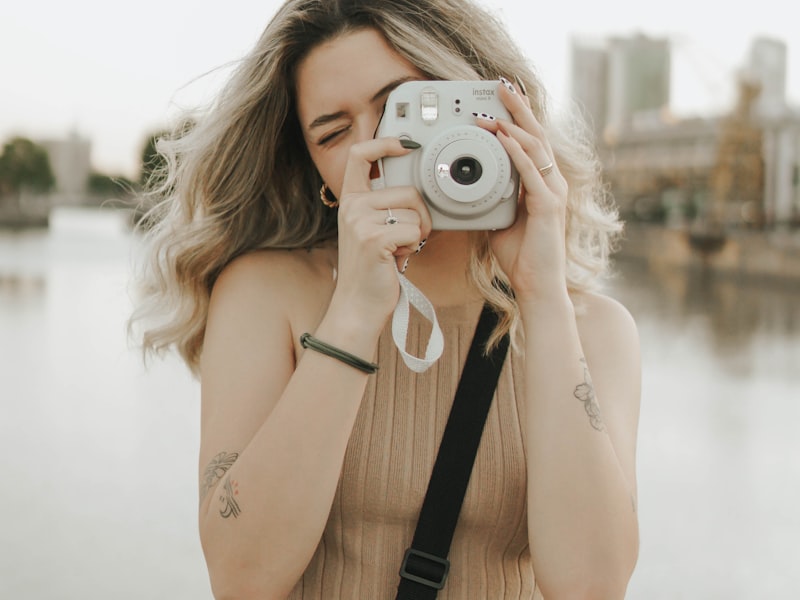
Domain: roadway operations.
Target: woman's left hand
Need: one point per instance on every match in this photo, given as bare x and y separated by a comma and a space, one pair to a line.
532, 252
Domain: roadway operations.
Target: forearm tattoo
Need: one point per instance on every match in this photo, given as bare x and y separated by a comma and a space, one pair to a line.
585, 393
215, 470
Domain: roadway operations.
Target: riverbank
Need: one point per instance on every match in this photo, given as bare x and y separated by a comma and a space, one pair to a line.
14, 219
743, 254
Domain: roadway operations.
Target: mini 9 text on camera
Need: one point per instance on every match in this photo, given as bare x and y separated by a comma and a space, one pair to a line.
462, 171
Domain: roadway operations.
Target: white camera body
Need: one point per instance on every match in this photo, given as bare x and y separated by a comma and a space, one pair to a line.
462, 171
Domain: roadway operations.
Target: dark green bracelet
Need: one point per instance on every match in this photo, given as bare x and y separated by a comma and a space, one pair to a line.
309, 341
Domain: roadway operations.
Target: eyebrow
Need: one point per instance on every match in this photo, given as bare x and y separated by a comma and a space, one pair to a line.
324, 119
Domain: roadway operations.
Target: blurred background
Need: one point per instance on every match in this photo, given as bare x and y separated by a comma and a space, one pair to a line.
695, 115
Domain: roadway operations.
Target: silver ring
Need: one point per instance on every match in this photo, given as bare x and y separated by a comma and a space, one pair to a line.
390, 218
546, 170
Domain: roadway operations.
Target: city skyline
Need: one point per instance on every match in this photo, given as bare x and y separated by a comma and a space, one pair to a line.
115, 80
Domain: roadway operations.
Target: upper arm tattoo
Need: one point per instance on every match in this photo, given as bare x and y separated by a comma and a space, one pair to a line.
215, 470
230, 507
585, 393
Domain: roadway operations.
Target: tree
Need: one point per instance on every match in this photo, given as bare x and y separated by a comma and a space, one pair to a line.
117, 186
25, 166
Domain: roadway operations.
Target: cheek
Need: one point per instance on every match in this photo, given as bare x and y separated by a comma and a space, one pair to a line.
331, 165
331, 162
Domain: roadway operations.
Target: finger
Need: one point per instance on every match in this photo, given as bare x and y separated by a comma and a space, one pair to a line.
520, 86
486, 121
399, 199
407, 229
540, 155
520, 108
534, 152
361, 158
397, 216
529, 172
401, 240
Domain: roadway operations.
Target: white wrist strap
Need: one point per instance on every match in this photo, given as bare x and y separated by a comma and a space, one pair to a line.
410, 293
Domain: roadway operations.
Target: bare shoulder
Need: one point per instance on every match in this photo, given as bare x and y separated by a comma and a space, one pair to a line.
602, 320
262, 296
289, 289
610, 342
278, 278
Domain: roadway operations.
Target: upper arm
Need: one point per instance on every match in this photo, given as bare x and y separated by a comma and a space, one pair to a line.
247, 358
611, 346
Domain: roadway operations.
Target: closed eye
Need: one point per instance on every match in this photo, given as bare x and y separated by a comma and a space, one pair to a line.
326, 139
378, 97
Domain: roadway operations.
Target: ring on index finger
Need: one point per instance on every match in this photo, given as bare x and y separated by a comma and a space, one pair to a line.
390, 218
546, 170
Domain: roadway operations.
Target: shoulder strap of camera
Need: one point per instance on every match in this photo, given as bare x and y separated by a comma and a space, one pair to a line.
425, 566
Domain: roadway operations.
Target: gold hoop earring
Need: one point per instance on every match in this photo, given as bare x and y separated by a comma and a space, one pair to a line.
327, 197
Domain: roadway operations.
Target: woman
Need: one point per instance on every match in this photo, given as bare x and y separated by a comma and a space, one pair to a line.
312, 471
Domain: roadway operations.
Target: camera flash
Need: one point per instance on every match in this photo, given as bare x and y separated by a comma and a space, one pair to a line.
430, 107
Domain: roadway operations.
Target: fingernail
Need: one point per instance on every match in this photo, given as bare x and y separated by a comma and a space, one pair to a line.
520, 85
421, 244
483, 116
405, 265
508, 84
409, 144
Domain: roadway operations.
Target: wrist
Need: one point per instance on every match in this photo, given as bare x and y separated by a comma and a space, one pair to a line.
349, 329
309, 341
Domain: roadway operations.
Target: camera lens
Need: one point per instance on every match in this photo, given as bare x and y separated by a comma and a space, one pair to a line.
466, 170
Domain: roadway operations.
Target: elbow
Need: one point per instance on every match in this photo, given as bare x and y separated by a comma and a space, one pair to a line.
607, 588
233, 576
605, 578
241, 576
230, 583
241, 594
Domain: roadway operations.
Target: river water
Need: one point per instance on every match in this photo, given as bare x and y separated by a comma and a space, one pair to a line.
98, 495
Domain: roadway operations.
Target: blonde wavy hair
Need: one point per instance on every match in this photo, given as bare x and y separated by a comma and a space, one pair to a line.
239, 177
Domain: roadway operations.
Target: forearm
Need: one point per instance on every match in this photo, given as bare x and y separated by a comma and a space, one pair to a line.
284, 481
582, 522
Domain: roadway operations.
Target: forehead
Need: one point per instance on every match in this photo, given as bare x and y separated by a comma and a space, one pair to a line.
346, 70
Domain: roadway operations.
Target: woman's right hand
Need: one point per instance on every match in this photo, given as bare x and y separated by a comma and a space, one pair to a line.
371, 249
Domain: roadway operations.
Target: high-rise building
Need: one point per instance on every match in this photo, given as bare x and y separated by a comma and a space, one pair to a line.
638, 79
589, 81
621, 81
766, 66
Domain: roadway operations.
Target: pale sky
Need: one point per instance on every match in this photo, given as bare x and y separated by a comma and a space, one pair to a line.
113, 72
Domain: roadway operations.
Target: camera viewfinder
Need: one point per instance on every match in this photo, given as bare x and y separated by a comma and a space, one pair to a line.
429, 102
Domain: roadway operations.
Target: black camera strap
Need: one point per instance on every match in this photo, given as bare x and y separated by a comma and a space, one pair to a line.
425, 566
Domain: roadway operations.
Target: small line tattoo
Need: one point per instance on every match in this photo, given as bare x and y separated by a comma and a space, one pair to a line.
585, 393
215, 470
230, 507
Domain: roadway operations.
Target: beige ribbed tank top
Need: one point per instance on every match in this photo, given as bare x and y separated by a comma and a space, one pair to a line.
386, 470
